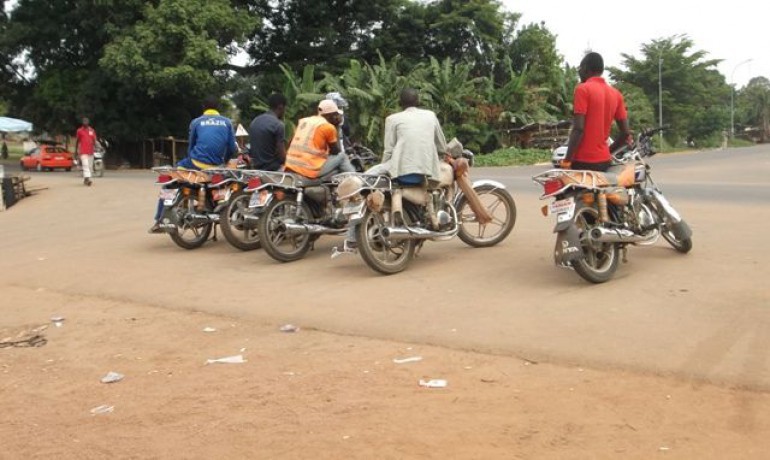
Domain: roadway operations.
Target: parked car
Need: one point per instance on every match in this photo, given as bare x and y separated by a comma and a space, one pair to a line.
560, 152
47, 157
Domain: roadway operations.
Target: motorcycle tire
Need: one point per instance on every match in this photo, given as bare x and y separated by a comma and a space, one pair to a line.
231, 223
680, 245
599, 264
479, 240
271, 236
200, 234
375, 252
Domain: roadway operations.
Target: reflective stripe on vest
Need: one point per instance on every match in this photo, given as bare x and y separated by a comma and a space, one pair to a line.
302, 157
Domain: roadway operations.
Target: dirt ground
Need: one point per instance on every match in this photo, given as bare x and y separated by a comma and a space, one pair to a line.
335, 392
317, 395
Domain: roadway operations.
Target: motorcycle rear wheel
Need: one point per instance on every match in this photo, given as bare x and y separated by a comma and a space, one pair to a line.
231, 221
382, 257
600, 260
185, 235
275, 242
492, 198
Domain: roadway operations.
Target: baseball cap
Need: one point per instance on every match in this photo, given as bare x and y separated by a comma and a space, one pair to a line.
327, 106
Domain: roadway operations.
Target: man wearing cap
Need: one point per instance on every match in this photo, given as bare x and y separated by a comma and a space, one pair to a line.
314, 150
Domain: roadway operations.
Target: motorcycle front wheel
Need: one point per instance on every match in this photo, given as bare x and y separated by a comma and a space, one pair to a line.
500, 205
272, 234
188, 235
680, 245
379, 254
600, 260
232, 222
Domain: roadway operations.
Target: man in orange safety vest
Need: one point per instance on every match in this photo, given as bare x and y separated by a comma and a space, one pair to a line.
314, 150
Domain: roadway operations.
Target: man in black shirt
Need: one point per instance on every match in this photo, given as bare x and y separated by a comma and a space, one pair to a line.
267, 136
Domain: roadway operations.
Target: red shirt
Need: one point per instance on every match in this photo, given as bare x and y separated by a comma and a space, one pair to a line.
86, 137
601, 104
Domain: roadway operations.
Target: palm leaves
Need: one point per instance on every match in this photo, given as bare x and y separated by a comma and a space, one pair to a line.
476, 109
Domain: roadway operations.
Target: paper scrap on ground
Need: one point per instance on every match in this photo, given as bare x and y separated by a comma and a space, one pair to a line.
289, 328
112, 377
209, 329
237, 359
102, 410
434, 383
57, 321
411, 359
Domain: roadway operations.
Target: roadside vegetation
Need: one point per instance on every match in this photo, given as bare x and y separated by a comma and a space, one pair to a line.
140, 69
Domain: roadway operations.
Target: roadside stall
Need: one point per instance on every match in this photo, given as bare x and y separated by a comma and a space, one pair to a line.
11, 185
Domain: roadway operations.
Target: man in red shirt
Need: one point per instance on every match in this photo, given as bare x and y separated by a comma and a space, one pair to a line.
597, 104
85, 140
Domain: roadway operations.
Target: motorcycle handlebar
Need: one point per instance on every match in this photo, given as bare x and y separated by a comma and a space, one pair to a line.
650, 132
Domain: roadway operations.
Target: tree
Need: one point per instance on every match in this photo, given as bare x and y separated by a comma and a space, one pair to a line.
53, 64
692, 86
534, 50
754, 105
641, 114
324, 33
137, 68
373, 92
470, 30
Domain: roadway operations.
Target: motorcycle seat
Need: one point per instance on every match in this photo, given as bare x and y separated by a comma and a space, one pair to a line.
190, 175
308, 182
617, 176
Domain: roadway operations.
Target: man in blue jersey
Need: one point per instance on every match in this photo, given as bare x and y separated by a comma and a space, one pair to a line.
211, 145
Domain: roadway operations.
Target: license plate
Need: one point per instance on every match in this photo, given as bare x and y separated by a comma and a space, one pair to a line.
259, 199
220, 194
59, 158
563, 209
168, 196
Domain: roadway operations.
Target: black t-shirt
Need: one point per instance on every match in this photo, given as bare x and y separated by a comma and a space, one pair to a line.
264, 131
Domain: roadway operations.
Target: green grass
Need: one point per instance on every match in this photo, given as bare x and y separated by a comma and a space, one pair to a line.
513, 157
740, 143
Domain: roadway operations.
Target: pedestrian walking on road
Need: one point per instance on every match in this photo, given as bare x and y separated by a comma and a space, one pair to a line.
85, 140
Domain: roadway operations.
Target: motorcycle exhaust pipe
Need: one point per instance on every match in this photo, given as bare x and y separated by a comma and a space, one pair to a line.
309, 229
414, 233
199, 219
615, 235
250, 221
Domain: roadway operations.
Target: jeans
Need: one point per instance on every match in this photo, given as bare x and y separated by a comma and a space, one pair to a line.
336, 164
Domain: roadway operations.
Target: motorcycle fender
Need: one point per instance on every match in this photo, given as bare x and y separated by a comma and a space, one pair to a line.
567, 245
477, 184
666, 206
681, 230
169, 218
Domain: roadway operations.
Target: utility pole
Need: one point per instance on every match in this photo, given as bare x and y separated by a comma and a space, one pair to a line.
732, 97
660, 99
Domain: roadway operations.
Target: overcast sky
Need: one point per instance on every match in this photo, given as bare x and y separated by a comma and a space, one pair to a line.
730, 30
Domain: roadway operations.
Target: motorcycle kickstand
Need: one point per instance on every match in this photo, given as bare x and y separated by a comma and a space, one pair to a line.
418, 249
214, 238
624, 251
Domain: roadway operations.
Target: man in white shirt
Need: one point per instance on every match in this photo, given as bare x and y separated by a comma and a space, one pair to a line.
413, 142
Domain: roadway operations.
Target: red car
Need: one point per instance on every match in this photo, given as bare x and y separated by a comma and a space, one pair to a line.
47, 158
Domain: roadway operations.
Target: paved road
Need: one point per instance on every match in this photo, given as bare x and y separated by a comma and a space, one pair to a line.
704, 315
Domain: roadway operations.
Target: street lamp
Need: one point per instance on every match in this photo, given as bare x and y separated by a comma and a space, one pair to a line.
660, 100
732, 97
